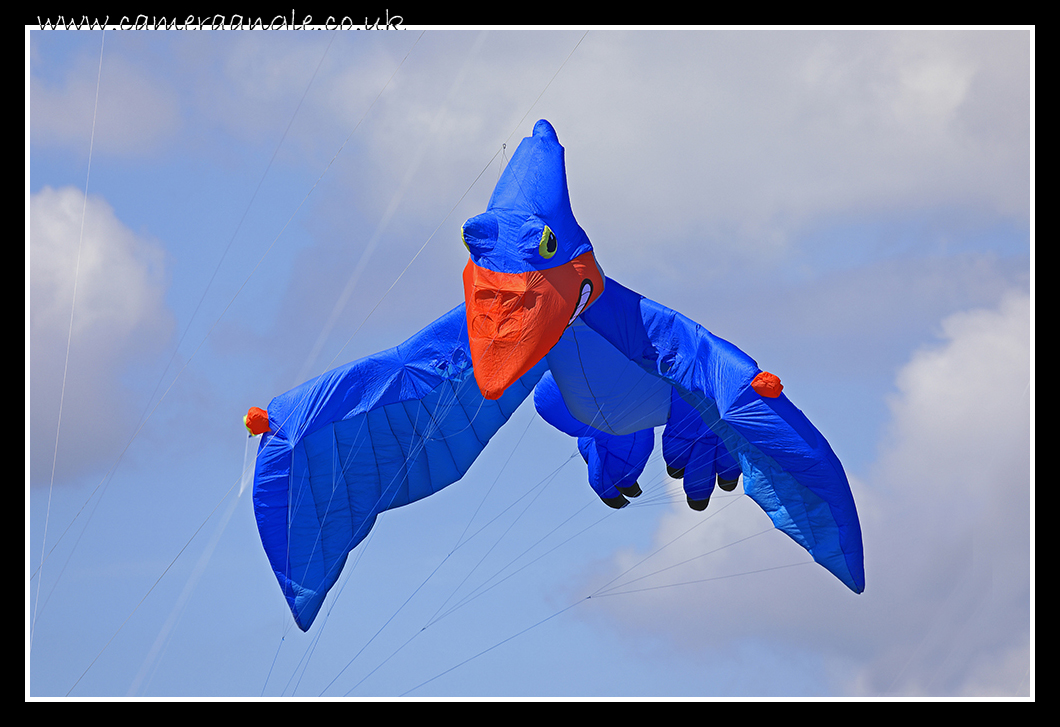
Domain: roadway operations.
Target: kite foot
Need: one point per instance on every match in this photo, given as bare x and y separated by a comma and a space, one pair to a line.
698, 505
616, 502
728, 485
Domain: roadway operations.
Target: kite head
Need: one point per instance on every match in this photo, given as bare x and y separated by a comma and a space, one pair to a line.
532, 269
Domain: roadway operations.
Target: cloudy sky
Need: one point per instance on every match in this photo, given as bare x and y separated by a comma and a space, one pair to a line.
852, 208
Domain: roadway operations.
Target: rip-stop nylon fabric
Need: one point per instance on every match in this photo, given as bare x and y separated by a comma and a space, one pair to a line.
609, 366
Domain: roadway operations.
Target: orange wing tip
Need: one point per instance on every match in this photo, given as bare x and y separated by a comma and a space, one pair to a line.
767, 385
256, 421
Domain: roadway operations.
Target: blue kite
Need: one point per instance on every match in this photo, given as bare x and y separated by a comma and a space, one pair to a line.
606, 366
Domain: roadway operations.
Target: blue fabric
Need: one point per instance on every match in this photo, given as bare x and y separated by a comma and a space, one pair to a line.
376, 434
402, 424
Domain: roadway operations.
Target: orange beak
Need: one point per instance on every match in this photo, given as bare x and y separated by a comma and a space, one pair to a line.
514, 319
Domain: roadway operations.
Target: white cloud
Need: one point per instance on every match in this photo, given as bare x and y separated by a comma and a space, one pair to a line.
768, 131
952, 488
136, 112
120, 314
946, 518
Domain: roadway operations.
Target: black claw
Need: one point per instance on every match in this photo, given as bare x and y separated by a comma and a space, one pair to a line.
616, 502
698, 505
631, 491
677, 474
728, 485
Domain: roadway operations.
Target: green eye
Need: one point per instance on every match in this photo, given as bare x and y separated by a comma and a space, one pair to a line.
548, 245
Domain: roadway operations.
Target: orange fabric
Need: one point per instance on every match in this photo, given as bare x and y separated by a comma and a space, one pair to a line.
256, 421
767, 385
514, 319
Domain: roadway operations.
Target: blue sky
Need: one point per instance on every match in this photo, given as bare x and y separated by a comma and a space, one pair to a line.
853, 208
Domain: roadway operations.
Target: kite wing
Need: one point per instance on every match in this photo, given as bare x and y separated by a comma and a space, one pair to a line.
376, 434
653, 363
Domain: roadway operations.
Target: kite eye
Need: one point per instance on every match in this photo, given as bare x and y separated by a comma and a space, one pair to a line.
548, 245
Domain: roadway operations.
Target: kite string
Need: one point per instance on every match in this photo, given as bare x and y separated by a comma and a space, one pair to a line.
604, 590
494, 646
209, 332
152, 588
419, 444
607, 589
460, 542
430, 237
392, 488
711, 578
145, 417
296, 210
242, 219
554, 75
480, 590
148, 412
598, 592
69, 332
162, 639
486, 586
426, 431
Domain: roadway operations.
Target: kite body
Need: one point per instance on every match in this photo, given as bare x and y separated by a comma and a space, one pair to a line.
606, 366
